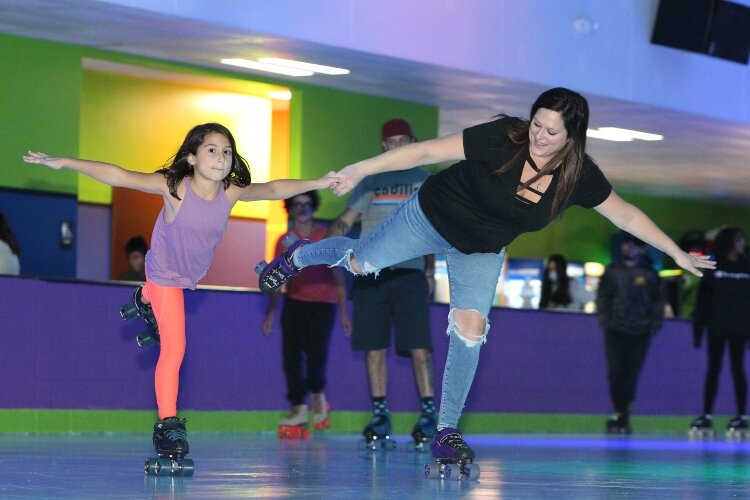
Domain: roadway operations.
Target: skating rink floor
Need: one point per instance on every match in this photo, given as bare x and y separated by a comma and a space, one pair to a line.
331, 466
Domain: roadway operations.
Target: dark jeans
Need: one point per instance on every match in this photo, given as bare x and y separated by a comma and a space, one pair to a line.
625, 357
306, 332
716, 345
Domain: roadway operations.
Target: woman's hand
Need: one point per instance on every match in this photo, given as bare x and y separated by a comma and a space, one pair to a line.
693, 262
43, 159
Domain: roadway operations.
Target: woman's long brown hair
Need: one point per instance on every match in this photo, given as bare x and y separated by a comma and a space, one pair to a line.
574, 110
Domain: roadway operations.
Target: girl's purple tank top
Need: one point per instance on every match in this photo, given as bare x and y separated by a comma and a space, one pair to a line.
181, 251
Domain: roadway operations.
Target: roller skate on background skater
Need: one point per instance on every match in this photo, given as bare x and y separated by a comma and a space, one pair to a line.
320, 409
619, 423
702, 427
737, 428
137, 307
294, 426
170, 442
425, 428
274, 274
454, 459
378, 432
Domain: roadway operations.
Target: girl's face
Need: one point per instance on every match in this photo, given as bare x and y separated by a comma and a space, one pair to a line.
547, 134
213, 159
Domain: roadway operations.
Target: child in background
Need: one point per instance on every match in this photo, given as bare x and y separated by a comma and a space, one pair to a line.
199, 185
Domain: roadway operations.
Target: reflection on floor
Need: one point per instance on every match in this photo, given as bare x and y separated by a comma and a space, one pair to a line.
332, 466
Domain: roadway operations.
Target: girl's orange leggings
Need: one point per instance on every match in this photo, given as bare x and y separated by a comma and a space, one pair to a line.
168, 304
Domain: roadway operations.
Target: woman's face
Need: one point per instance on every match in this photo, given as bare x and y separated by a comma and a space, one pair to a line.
547, 133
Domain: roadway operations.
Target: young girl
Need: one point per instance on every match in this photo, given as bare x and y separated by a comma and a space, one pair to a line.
205, 179
519, 175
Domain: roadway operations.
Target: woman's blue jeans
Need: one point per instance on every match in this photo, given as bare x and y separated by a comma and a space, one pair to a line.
404, 234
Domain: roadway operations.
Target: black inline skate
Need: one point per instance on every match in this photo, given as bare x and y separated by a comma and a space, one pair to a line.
738, 428
137, 307
702, 427
170, 442
378, 433
619, 423
455, 460
423, 432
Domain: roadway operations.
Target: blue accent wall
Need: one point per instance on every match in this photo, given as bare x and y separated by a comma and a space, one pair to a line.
35, 219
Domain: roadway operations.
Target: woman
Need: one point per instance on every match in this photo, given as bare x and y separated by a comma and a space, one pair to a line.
558, 290
723, 308
518, 176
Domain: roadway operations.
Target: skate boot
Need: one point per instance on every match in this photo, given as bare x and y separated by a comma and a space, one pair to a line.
137, 307
619, 423
281, 269
294, 426
170, 442
453, 456
702, 427
738, 428
378, 432
423, 432
320, 408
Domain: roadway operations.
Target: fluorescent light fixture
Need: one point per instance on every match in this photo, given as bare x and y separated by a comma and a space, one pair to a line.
621, 134
270, 68
316, 68
281, 95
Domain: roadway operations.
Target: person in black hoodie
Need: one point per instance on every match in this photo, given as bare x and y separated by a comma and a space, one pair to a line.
630, 303
723, 308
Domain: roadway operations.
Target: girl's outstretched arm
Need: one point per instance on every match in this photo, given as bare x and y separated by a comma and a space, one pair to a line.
630, 218
282, 189
104, 172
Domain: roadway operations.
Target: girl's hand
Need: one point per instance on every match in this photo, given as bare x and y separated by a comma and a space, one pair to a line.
328, 180
348, 177
693, 262
43, 159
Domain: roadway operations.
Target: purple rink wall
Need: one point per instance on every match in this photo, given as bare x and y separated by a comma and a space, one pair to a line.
63, 345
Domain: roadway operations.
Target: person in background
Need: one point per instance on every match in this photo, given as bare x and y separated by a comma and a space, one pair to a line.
9, 249
630, 303
306, 322
135, 252
397, 299
723, 309
559, 291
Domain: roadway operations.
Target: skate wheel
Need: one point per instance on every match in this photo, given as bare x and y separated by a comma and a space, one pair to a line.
187, 467
128, 311
164, 467
473, 470
260, 267
289, 240
145, 340
150, 467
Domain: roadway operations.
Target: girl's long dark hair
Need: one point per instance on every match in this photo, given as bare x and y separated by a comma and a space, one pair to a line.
724, 243
562, 293
7, 236
575, 114
178, 167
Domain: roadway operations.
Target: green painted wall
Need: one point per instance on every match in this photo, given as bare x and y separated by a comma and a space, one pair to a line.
39, 110
341, 128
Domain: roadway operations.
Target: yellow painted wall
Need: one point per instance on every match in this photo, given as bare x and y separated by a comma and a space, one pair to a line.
138, 123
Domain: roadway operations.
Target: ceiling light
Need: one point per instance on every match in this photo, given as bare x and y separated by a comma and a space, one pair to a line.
621, 134
281, 95
317, 68
271, 68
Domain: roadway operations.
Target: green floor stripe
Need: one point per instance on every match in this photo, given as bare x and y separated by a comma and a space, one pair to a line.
56, 421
